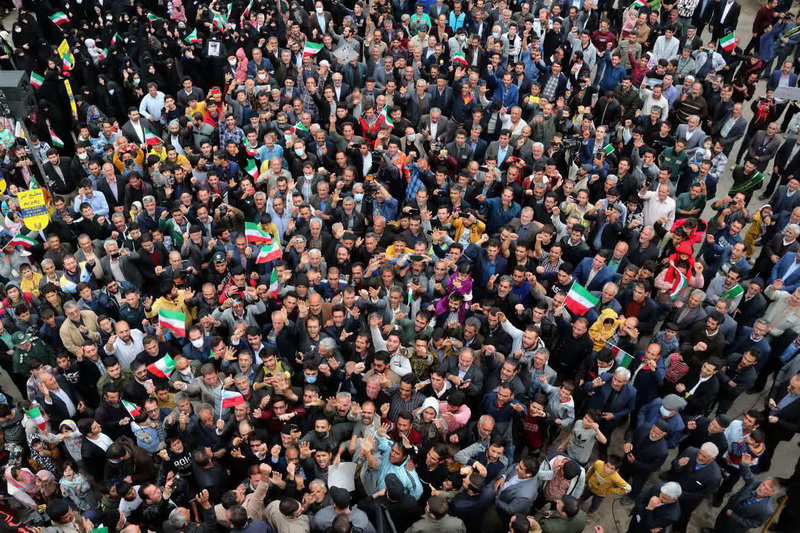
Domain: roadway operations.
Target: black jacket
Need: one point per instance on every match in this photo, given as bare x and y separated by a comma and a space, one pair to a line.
695, 483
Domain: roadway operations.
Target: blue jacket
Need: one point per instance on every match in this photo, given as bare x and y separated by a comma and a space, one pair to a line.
651, 412
484, 269
581, 273
622, 405
743, 265
791, 282
612, 76
775, 78
496, 215
507, 97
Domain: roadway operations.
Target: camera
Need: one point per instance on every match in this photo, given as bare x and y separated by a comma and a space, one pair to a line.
223, 210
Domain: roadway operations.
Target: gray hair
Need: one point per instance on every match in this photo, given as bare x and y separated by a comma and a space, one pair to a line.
108, 243
315, 220
623, 373
700, 293
795, 228
611, 285
710, 448
344, 396
181, 397
148, 199
69, 305
327, 344
473, 322
205, 407
260, 194
179, 518
544, 351
672, 490
527, 211
46, 262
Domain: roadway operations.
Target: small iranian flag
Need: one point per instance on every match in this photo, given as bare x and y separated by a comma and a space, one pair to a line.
132, 408
219, 21
249, 150
459, 59
246, 12
679, 281
729, 41
623, 358
255, 234
115, 39
59, 18
163, 367
175, 321
151, 139
192, 38
637, 4
231, 398
299, 126
22, 240
35, 414
103, 54
269, 252
579, 300
311, 49
153, 17
272, 292
386, 118
732, 293
609, 149
36, 80
57, 142
252, 169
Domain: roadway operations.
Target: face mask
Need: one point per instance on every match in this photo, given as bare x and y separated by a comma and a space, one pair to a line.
665, 412
111, 91
412, 137
496, 35
136, 82
358, 196
288, 137
319, 11
462, 38
299, 152
18, 29
84, 155
320, 434
311, 379
198, 343
232, 62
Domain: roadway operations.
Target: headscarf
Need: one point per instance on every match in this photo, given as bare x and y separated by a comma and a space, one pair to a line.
47, 482
27, 484
94, 52
241, 66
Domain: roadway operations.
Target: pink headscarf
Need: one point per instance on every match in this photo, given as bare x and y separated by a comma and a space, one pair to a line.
241, 68
27, 484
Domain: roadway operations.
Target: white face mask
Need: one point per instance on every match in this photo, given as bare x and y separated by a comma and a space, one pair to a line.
319, 11
232, 62
83, 155
198, 343
111, 91
496, 35
664, 411
299, 152
359, 196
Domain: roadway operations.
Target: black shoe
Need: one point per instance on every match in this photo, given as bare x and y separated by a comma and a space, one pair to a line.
763, 197
754, 390
717, 500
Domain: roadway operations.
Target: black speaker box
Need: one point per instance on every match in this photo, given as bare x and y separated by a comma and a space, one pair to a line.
16, 95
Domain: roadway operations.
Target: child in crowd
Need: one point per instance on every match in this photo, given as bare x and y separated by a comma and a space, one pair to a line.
603, 479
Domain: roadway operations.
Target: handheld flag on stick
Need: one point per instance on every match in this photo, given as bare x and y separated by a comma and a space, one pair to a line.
175, 321
623, 358
59, 18
311, 49
163, 367
728, 42
35, 414
679, 281
255, 234
21, 240
36, 80
579, 300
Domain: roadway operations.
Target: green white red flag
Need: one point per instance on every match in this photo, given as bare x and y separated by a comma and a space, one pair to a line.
175, 321
59, 18
255, 234
35, 414
21, 240
252, 169
579, 300
269, 252
272, 292
311, 49
231, 398
679, 281
36, 80
728, 42
163, 367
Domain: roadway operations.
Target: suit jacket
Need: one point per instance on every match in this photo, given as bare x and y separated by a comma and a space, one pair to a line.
444, 100
782, 158
105, 188
130, 133
517, 498
696, 483
780, 201
737, 131
696, 140
661, 517
128, 266
56, 408
583, 270
770, 149
775, 78
648, 315
313, 24
622, 405
55, 182
473, 375
731, 21
746, 515
344, 92
443, 129
694, 316
494, 149
791, 282
788, 417
699, 402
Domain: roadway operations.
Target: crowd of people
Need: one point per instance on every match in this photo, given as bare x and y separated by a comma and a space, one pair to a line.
428, 267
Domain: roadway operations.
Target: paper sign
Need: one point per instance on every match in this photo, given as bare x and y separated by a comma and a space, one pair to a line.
343, 476
787, 93
34, 209
345, 53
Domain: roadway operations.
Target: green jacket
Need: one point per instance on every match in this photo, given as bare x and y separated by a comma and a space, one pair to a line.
39, 349
559, 524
